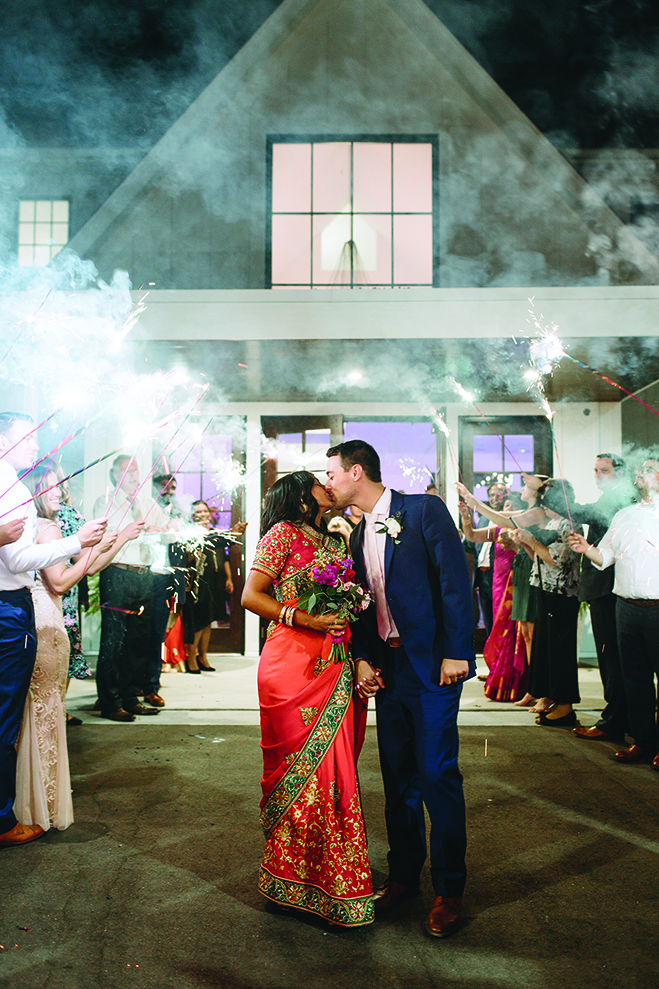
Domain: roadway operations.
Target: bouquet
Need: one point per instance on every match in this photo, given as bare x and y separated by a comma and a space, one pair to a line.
334, 588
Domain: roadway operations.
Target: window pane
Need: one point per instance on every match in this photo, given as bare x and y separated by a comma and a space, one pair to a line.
26, 210
26, 233
60, 233
518, 454
42, 256
372, 237
371, 179
61, 211
291, 178
331, 177
412, 178
289, 452
187, 456
42, 233
291, 249
188, 488
408, 451
413, 250
331, 248
25, 256
44, 209
487, 455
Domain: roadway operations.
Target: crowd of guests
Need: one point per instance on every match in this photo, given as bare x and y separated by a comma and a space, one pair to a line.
543, 567
159, 569
154, 566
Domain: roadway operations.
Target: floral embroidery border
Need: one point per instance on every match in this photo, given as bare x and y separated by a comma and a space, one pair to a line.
312, 754
348, 913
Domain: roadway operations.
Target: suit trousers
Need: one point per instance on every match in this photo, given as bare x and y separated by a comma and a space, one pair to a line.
162, 592
603, 619
638, 638
18, 650
418, 745
123, 656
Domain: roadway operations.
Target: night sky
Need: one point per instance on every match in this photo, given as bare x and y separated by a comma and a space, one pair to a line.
120, 73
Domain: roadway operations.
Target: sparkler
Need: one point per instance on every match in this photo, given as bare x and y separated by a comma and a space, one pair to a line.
546, 352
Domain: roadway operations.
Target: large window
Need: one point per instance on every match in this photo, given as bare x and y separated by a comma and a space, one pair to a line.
43, 230
348, 213
501, 448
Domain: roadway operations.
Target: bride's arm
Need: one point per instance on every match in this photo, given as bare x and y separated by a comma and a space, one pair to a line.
255, 598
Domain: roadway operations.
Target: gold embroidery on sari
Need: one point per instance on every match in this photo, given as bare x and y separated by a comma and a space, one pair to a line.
309, 714
335, 795
321, 666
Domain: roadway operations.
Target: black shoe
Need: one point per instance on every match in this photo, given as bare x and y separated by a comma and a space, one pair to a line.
391, 894
72, 722
567, 721
141, 709
188, 670
207, 669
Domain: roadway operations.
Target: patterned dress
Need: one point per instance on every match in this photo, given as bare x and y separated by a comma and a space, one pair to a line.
43, 783
312, 729
70, 520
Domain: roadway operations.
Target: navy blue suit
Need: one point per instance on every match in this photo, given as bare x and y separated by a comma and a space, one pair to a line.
428, 591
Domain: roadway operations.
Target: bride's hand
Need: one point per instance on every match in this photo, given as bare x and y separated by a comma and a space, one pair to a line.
369, 680
329, 623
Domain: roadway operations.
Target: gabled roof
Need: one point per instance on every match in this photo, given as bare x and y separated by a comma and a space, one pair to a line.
474, 82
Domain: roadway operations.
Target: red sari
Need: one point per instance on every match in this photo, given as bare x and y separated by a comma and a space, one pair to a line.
312, 729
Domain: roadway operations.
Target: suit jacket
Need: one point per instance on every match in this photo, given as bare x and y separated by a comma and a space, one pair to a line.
427, 586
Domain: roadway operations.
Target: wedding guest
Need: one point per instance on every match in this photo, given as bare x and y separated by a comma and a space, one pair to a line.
210, 584
126, 592
632, 545
18, 559
315, 856
43, 784
596, 587
553, 676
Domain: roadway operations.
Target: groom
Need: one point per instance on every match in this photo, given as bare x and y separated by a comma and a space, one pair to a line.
418, 643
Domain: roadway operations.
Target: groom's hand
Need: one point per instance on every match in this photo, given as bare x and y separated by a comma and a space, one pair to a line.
453, 670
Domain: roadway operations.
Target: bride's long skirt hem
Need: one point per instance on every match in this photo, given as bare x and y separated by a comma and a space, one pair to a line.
356, 912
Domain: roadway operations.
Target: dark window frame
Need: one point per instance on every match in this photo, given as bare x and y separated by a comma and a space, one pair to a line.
432, 139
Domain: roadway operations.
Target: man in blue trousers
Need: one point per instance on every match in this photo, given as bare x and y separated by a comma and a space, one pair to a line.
418, 641
18, 640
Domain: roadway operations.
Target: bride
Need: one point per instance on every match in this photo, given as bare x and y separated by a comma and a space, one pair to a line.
43, 784
312, 722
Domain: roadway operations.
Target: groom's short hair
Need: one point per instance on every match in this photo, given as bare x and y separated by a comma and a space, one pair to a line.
358, 452
7, 420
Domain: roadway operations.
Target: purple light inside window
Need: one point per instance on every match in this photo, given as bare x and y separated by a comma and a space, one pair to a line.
487, 455
518, 454
408, 452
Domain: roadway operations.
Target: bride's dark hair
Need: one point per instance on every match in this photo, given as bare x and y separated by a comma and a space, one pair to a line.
285, 500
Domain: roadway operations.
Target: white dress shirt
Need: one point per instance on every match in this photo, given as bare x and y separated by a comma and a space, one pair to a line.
18, 560
121, 509
632, 543
374, 546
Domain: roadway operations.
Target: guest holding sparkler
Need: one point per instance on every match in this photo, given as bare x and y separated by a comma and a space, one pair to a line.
596, 587
18, 449
312, 722
43, 790
126, 591
210, 583
504, 651
632, 544
553, 676
523, 595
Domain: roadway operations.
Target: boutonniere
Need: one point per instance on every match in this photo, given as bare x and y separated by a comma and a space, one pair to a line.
393, 526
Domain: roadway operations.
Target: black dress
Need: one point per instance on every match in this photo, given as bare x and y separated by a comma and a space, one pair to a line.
206, 597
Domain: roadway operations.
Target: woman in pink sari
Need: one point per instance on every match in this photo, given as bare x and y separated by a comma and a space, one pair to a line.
312, 720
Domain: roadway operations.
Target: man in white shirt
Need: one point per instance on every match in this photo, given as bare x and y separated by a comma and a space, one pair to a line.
18, 641
126, 590
632, 544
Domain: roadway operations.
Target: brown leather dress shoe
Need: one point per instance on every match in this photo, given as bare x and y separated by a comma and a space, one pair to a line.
155, 700
119, 715
444, 915
20, 834
595, 733
142, 709
391, 894
633, 754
